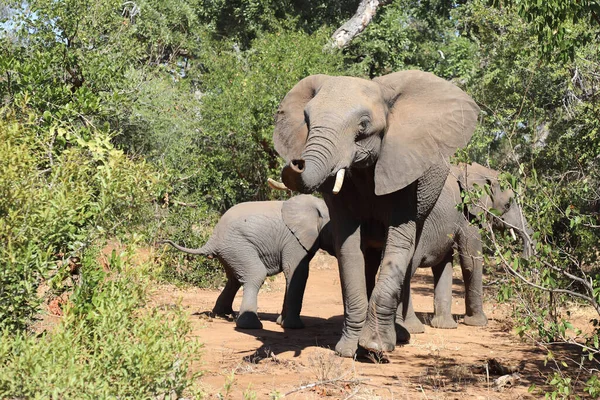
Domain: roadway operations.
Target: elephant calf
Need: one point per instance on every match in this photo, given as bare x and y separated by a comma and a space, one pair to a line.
448, 227
258, 239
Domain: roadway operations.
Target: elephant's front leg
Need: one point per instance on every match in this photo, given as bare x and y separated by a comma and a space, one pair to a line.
354, 288
470, 253
442, 298
379, 333
296, 277
407, 321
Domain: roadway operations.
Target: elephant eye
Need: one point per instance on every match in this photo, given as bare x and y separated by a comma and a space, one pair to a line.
363, 125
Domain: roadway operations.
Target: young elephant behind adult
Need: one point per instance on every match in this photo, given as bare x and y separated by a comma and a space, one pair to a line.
258, 239
449, 227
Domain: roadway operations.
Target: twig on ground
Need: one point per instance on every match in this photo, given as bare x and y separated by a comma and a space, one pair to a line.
327, 382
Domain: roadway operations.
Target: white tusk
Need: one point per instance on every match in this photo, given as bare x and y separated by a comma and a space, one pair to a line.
276, 185
512, 233
339, 180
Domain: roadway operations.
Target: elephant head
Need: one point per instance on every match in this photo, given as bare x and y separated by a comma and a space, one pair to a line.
401, 124
494, 197
307, 217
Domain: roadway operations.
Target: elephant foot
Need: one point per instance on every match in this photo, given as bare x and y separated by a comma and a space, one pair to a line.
346, 347
378, 341
477, 319
412, 325
290, 322
222, 310
402, 334
444, 322
248, 320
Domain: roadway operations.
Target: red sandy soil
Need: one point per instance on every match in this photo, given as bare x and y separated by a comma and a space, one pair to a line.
274, 362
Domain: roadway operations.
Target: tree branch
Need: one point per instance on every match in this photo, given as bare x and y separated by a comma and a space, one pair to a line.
355, 25
506, 265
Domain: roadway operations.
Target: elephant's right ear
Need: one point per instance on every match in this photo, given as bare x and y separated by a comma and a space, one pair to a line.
302, 216
476, 176
291, 131
429, 118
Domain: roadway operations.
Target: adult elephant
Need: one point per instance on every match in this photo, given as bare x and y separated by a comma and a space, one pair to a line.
377, 150
448, 227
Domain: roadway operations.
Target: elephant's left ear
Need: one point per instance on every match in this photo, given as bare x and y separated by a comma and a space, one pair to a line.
301, 215
429, 119
291, 131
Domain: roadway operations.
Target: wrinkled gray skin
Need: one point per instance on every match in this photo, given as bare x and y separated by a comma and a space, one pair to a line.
449, 227
258, 239
393, 136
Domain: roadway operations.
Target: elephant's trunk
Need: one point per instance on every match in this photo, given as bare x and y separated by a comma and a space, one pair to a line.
308, 173
528, 242
301, 176
514, 220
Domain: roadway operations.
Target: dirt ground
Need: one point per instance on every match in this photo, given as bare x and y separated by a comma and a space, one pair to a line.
273, 362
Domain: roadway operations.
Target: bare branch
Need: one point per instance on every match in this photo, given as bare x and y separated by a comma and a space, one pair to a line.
355, 25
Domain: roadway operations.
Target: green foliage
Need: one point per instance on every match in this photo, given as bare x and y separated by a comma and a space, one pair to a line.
105, 346
59, 191
84, 62
410, 34
243, 20
555, 23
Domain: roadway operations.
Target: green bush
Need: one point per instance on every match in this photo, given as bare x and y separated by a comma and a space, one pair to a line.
60, 189
109, 343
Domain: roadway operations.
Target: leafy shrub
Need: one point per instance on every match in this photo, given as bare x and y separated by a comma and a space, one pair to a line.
60, 188
108, 344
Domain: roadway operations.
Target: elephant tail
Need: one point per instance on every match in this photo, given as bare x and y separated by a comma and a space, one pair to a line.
207, 250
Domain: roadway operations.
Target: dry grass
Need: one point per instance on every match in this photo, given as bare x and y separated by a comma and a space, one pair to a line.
326, 366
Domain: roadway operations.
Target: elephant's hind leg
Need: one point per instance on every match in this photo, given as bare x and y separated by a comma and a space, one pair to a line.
410, 322
251, 273
372, 257
224, 303
442, 300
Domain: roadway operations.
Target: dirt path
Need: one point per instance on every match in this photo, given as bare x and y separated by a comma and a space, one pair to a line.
271, 361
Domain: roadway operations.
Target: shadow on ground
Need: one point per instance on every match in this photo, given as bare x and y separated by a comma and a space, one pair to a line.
318, 332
